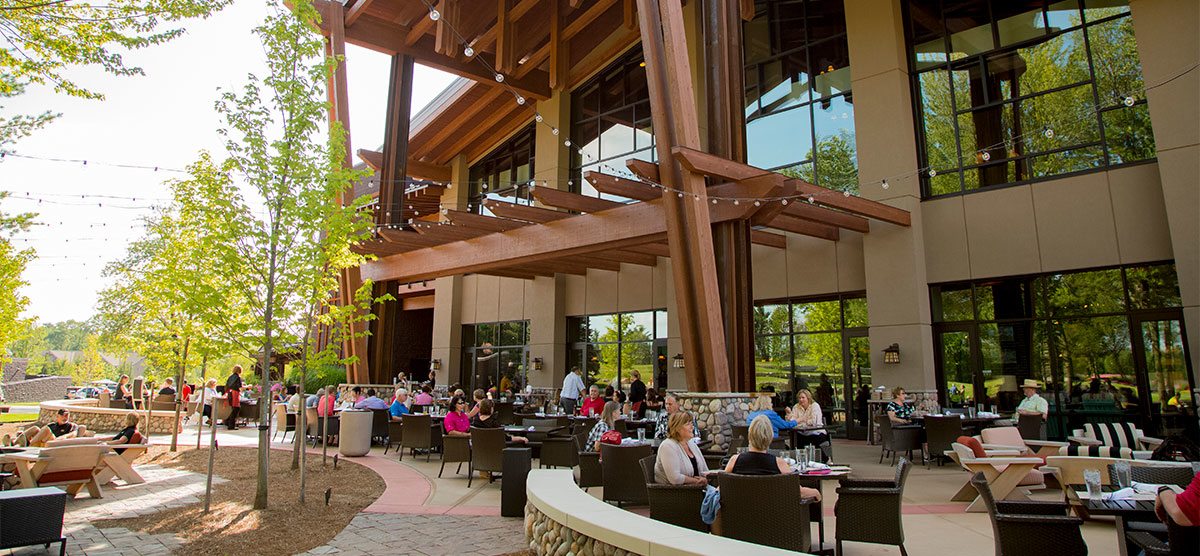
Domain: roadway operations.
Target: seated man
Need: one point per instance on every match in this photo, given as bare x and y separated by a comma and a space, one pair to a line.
1183, 508
372, 401
62, 427
399, 407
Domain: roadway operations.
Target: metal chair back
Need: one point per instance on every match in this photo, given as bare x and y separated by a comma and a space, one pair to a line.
619, 467
765, 509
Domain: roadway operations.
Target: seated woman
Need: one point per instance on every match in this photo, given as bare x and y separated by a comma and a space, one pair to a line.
128, 435
756, 460
607, 422
456, 421
62, 427
479, 396
679, 459
897, 411
486, 419
762, 408
807, 413
653, 401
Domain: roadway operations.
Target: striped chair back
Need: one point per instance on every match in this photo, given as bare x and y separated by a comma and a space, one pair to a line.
1096, 451
1117, 435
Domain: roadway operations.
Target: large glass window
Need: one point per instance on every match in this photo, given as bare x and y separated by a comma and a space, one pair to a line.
610, 121
799, 109
1020, 90
496, 355
505, 174
611, 346
1106, 344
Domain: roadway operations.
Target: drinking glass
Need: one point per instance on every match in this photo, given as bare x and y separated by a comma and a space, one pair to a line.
810, 453
802, 459
1092, 478
641, 434
1121, 470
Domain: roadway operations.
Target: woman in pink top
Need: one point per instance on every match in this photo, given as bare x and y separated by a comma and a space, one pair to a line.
326, 403
457, 421
424, 398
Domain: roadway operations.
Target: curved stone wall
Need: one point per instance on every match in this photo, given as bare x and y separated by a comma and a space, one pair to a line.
104, 419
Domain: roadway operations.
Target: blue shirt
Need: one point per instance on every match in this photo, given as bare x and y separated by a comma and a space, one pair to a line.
398, 409
777, 422
372, 402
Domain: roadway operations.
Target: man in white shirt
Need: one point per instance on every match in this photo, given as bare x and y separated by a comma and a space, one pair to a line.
572, 388
1033, 404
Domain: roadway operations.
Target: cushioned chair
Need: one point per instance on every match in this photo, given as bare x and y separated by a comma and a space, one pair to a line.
456, 449
1029, 528
940, 433
868, 510
1011, 437
418, 435
1009, 475
1116, 435
590, 472
162, 402
623, 482
766, 510
487, 451
674, 504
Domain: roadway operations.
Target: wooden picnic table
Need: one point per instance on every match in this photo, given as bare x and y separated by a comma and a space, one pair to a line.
27, 458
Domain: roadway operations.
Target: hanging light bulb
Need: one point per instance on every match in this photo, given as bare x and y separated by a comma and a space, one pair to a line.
567, 142
735, 201
1129, 100
468, 51
537, 118
554, 130
784, 201
680, 195
845, 194
499, 78
932, 172
1049, 134
885, 184
434, 15
757, 204
986, 156
714, 201
520, 100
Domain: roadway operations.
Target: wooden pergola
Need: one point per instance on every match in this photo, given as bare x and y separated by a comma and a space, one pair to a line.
670, 213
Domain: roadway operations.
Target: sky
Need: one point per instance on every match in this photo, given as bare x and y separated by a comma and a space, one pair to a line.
162, 119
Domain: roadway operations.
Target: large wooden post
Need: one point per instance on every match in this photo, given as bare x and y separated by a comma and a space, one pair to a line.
689, 228
354, 347
727, 139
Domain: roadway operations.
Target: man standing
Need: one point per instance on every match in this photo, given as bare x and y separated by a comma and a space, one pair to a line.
233, 391
572, 388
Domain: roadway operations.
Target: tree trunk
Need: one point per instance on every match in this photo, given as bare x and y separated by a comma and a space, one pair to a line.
179, 394
212, 450
200, 406
264, 402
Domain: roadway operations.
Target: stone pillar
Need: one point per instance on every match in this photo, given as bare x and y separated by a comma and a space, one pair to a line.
455, 198
551, 158
446, 345
894, 256
716, 413
1167, 45
546, 308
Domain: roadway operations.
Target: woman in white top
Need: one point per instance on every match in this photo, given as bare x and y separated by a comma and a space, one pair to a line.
210, 394
679, 459
807, 413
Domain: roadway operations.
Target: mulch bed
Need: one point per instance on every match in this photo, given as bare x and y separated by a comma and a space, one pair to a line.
234, 527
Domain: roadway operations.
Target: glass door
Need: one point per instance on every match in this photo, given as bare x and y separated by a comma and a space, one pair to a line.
1166, 391
954, 356
857, 382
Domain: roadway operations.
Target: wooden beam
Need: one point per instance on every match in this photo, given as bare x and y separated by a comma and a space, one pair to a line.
416, 168
461, 119
642, 254
710, 165
523, 212
445, 39
560, 53
586, 18
420, 29
486, 125
747, 9
571, 201
506, 39
805, 227
481, 222
629, 19
624, 187
383, 36
827, 216
488, 38
762, 237
359, 8
506, 273
394, 176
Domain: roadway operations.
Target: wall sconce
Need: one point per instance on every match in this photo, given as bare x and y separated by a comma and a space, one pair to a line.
677, 361
435, 365
891, 354
537, 363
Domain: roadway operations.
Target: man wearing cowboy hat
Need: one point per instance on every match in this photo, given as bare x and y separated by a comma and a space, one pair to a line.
1033, 404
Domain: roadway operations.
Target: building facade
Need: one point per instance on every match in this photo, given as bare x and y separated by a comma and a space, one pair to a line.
1047, 152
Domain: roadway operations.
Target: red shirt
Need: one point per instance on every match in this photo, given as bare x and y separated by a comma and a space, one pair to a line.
186, 392
1189, 500
595, 404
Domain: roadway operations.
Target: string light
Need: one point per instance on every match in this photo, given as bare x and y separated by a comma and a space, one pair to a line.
885, 184
468, 51
434, 15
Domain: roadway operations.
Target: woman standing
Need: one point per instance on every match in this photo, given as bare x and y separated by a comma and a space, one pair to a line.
807, 413
607, 422
637, 393
679, 459
210, 394
896, 410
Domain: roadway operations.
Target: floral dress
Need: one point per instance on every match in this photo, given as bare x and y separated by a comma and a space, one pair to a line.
902, 411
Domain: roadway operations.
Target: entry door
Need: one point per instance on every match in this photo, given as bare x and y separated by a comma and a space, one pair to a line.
1160, 347
857, 382
955, 356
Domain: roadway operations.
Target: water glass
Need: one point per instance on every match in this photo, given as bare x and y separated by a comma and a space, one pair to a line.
1121, 470
1092, 478
801, 457
641, 434
810, 453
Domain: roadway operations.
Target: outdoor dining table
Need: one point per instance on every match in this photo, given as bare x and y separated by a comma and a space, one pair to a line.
817, 479
535, 433
794, 433
1140, 507
24, 459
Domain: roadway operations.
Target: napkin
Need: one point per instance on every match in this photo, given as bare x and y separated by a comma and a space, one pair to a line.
1122, 494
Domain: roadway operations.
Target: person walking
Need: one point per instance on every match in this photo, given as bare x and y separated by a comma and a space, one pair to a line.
233, 391
572, 388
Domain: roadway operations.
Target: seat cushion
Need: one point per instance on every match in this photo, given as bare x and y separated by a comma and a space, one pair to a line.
1117, 435
1096, 452
1034, 477
973, 444
1006, 436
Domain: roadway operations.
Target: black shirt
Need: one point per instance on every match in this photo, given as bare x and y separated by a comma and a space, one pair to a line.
62, 429
234, 382
126, 433
637, 391
755, 463
166, 391
490, 423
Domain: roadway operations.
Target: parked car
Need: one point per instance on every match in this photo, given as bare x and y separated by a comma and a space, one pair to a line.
75, 392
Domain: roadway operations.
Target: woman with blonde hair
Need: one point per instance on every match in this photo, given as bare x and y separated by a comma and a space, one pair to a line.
762, 407
756, 460
210, 394
679, 459
807, 414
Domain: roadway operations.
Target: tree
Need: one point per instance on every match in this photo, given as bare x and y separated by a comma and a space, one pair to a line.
12, 302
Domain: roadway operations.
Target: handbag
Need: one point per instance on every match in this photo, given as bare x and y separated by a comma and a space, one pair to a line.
611, 437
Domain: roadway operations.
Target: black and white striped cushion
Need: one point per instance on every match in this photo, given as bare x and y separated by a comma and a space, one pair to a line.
1117, 435
1096, 451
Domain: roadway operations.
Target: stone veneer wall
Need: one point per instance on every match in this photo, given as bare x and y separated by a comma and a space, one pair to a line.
85, 412
37, 389
716, 413
551, 538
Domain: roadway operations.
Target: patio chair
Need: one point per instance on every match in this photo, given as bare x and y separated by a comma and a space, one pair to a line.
395, 435
1172, 540
868, 510
487, 452
1011, 436
590, 472
766, 510
1009, 475
1029, 528
898, 439
418, 435
621, 472
504, 413
1032, 427
738, 438
621, 427
674, 504
559, 451
35, 516
284, 422
1116, 435
536, 422
162, 402
379, 425
312, 422
456, 449
940, 434
334, 427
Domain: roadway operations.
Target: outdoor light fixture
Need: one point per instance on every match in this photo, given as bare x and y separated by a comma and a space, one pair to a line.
435, 365
677, 361
537, 363
891, 354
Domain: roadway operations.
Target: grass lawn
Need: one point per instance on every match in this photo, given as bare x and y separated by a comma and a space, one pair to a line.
17, 417
24, 403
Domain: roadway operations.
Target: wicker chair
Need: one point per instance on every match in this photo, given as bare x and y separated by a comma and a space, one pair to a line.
559, 451
163, 402
504, 413
896, 440
868, 510
940, 433
674, 504
584, 425
456, 449
1180, 540
622, 427
766, 510
590, 472
622, 479
379, 425
738, 440
395, 435
487, 452
284, 422
1027, 528
1178, 476
418, 435
1032, 427
536, 422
